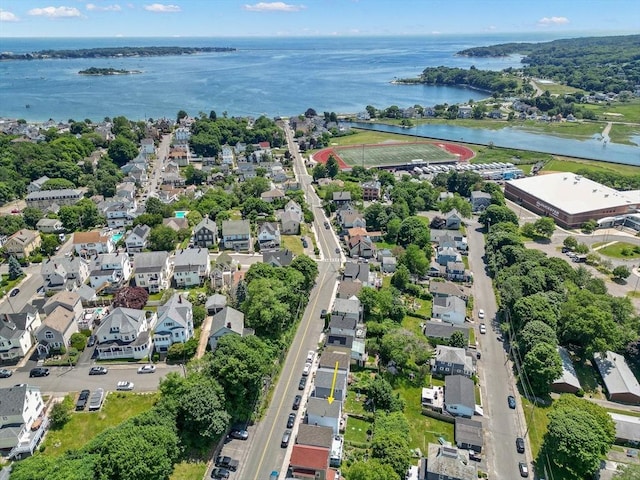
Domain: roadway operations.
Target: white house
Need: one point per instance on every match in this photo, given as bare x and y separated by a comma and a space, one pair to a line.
325, 414
17, 333
110, 269
147, 146
191, 266
64, 273
92, 243
152, 271
269, 235
449, 309
175, 323
22, 419
137, 239
49, 225
459, 396
125, 333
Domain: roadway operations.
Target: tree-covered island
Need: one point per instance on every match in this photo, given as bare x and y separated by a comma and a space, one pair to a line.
107, 71
109, 52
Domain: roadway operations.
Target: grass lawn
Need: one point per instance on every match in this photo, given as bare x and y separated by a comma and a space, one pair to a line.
422, 429
369, 137
7, 285
631, 413
588, 378
412, 324
557, 88
84, 426
619, 250
293, 243
485, 154
577, 130
537, 421
630, 111
189, 471
386, 281
352, 405
356, 430
573, 165
622, 133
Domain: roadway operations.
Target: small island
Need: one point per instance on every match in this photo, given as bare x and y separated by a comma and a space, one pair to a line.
107, 71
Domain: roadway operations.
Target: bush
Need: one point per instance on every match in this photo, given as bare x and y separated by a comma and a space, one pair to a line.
59, 416
78, 342
580, 393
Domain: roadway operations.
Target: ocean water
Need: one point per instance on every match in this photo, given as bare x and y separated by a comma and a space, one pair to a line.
272, 76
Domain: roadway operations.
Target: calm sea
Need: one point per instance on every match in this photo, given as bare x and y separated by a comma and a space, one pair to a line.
272, 76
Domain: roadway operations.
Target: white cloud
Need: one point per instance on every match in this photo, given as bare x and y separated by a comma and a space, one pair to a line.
6, 16
162, 8
273, 7
106, 8
546, 21
490, 28
55, 12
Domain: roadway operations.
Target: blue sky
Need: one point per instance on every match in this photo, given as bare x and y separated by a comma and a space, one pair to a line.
229, 18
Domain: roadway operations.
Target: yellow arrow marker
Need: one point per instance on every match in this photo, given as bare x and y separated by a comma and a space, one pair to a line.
333, 384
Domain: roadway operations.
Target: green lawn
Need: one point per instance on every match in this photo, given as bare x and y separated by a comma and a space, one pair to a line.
412, 324
422, 429
537, 421
189, 471
618, 250
588, 378
622, 133
352, 405
7, 285
557, 88
629, 111
573, 165
577, 130
496, 154
83, 426
356, 430
293, 243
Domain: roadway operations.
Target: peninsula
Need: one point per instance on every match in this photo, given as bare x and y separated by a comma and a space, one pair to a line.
113, 52
107, 71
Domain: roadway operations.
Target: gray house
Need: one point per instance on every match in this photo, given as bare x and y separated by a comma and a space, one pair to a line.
480, 200
622, 385
468, 434
459, 396
56, 330
323, 382
236, 234
277, 257
227, 321
447, 463
568, 381
452, 361
206, 233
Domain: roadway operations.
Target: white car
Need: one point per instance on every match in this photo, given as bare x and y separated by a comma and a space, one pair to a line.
483, 328
481, 313
124, 386
311, 356
147, 369
307, 369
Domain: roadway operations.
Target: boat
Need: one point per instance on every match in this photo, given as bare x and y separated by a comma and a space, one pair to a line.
28, 105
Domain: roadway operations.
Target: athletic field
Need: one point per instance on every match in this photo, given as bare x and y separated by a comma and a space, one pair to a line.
395, 154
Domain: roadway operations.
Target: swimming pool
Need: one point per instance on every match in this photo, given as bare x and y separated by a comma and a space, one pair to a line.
115, 237
181, 213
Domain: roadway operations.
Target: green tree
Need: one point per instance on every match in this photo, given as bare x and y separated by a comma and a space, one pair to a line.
380, 392
542, 365
319, 171
181, 115
495, 214
149, 219
621, 272
155, 206
570, 242
199, 314
122, 150
32, 216
374, 470
57, 184
458, 203
589, 226
390, 444
59, 415
332, 167
78, 341
308, 268
162, 238
415, 259
534, 332
49, 243
544, 226
15, 270
413, 231
457, 340
400, 278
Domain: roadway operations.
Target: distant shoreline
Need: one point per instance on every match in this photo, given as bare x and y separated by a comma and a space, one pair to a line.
97, 72
113, 52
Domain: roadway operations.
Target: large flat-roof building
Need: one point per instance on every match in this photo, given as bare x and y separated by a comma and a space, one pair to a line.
570, 199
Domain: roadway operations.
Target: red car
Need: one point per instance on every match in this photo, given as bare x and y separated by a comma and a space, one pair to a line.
15, 210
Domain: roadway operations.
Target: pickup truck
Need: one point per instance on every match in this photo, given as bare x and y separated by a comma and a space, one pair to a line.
83, 398
227, 462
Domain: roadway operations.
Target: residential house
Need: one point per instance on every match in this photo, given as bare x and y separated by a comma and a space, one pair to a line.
17, 332
468, 433
206, 233
176, 224
343, 325
89, 244
310, 462
147, 146
22, 243
453, 219
439, 330
432, 398
270, 195
459, 396
355, 347
314, 436
36, 185
222, 271
64, 273
152, 271
49, 225
452, 361
330, 383
269, 235
290, 221
356, 271
622, 385
23, 421
446, 255
215, 303
119, 213
325, 414
191, 267
446, 289
447, 463
456, 271
126, 191
341, 198
45, 198
465, 111
627, 429
349, 308
480, 200
349, 288
227, 321
449, 239
56, 330
70, 301
361, 246
333, 356
371, 190
277, 257
293, 206
182, 135
236, 234
110, 270
125, 333
137, 239
351, 219
175, 323
568, 381
449, 309
246, 170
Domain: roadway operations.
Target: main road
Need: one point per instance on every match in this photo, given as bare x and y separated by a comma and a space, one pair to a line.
261, 453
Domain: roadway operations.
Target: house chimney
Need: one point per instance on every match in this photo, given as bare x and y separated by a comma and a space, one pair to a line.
179, 298
228, 324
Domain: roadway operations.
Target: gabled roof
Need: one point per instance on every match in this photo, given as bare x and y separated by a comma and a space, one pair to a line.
449, 462
454, 355
274, 193
569, 375
89, 237
434, 329
341, 322
57, 193
342, 196
314, 435
228, 318
616, 374
356, 271
216, 300
333, 354
12, 400
349, 288
347, 305
325, 378
445, 288
142, 231
126, 320
176, 223
207, 223
280, 257
24, 236
468, 431
459, 390
149, 262
64, 298
449, 304
60, 319
190, 257
236, 227
321, 408
177, 309
312, 458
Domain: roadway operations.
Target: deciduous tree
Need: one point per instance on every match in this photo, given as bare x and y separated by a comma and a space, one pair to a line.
542, 365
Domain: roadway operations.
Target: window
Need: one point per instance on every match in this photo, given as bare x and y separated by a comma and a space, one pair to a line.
48, 335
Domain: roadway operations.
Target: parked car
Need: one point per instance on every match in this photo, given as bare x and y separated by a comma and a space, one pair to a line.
124, 385
524, 470
286, 436
311, 355
481, 314
511, 400
95, 401
98, 371
296, 402
147, 369
483, 328
323, 313
303, 383
305, 244
91, 341
306, 370
291, 421
4, 373
520, 444
338, 250
239, 434
83, 398
14, 292
220, 473
39, 372
227, 462
326, 225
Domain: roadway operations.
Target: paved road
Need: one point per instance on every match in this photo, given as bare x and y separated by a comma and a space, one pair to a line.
261, 454
502, 425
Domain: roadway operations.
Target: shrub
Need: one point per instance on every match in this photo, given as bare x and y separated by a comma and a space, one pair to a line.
59, 415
